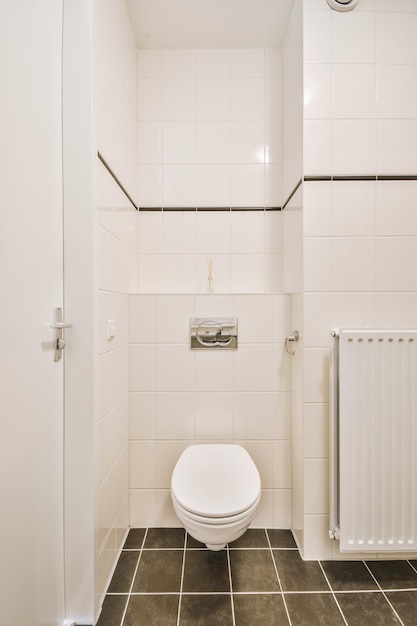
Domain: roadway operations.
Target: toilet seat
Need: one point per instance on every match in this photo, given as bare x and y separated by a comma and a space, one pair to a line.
215, 483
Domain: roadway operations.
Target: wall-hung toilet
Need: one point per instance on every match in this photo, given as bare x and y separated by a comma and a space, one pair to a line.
215, 490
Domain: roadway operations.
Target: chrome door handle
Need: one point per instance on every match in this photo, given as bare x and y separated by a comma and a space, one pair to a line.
59, 325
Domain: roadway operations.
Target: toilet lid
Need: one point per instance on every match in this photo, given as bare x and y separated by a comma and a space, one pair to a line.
215, 480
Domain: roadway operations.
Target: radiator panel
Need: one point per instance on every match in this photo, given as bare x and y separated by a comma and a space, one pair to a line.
376, 440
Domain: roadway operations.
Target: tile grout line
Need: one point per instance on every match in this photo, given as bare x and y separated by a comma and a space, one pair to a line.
182, 578
383, 593
229, 567
333, 593
133, 577
278, 578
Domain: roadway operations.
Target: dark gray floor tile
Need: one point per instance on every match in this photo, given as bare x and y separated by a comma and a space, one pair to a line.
206, 571
313, 609
260, 610
349, 576
158, 610
159, 571
370, 608
405, 603
112, 611
253, 538
165, 538
253, 570
134, 539
393, 574
206, 610
298, 575
193, 543
124, 572
280, 538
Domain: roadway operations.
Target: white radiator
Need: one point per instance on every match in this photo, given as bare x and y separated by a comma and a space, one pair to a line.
373, 430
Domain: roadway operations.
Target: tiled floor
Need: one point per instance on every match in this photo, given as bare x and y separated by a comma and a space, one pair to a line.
165, 578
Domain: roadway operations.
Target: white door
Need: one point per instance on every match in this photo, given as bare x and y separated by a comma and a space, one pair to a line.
31, 286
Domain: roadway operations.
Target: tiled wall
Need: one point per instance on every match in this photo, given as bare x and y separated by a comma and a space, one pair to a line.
209, 132
116, 249
179, 397
209, 136
360, 236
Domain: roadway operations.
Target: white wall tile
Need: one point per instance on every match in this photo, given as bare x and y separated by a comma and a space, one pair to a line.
247, 273
397, 152
142, 413
317, 147
353, 208
213, 233
246, 185
354, 91
213, 99
247, 142
396, 37
247, 62
397, 91
213, 370
149, 99
247, 98
149, 63
173, 315
178, 99
113, 376
179, 143
247, 231
353, 264
213, 63
273, 98
349, 27
175, 415
175, 367
395, 211
214, 415
167, 454
317, 270
150, 273
142, 367
178, 63
255, 318
317, 91
179, 185
150, 190
180, 273
348, 135
253, 367
142, 319
213, 142
142, 464
396, 258
317, 36
213, 185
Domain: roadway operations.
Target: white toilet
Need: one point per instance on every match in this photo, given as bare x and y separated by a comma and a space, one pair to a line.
215, 490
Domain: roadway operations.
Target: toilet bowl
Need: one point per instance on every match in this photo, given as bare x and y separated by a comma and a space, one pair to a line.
215, 490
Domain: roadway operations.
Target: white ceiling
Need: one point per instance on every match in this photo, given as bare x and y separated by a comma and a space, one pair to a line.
209, 23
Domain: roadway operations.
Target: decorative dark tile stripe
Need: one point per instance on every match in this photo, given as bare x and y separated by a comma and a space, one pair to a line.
110, 171
373, 177
292, 194
211, 209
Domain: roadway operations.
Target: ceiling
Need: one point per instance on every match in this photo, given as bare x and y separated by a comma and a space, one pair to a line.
209, 23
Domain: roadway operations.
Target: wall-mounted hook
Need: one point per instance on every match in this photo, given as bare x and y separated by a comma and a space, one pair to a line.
292, 339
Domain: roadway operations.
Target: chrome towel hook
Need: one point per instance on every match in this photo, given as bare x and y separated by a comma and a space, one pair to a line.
291, 339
